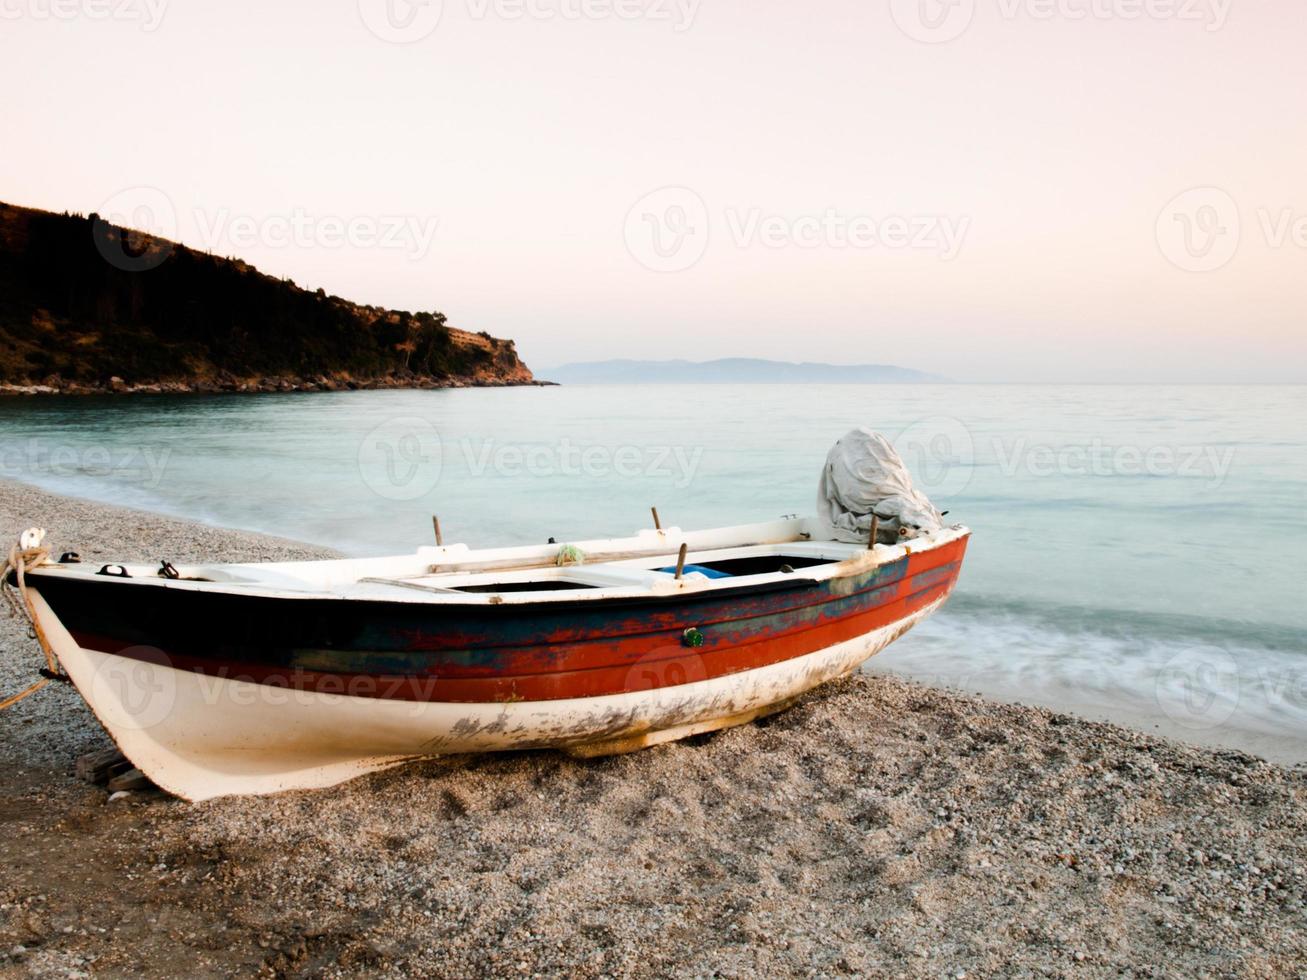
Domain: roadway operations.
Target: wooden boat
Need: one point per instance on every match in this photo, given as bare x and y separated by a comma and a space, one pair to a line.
258, 678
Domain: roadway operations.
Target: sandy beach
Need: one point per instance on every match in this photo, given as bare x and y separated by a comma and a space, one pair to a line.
878, 828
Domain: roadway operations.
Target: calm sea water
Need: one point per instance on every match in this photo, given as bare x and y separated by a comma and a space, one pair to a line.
1139, 552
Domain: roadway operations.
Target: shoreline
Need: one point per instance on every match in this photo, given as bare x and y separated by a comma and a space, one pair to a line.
1132, 713
1226, 737
877, 827
265, 386
1271, 747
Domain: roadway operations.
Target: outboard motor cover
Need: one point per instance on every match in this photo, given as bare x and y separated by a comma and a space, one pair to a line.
864, 474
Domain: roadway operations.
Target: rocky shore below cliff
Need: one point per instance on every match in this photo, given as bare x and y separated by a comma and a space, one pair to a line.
117, 386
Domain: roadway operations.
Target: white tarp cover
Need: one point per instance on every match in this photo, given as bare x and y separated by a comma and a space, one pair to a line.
864, 473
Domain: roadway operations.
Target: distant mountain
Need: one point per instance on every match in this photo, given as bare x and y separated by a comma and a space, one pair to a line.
86, 306
733, 370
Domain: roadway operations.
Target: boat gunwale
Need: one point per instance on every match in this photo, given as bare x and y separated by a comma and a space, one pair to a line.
667, 592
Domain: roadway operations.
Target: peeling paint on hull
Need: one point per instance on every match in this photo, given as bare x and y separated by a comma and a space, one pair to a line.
219, 737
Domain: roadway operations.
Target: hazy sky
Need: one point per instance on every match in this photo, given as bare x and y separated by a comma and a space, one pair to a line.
1029, 190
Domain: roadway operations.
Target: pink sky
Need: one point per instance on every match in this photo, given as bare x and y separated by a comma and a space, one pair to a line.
1024, 190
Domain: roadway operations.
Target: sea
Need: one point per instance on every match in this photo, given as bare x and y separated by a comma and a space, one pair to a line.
1139, 553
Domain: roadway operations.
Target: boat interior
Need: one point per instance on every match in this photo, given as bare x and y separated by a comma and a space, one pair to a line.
651, 573
652, 561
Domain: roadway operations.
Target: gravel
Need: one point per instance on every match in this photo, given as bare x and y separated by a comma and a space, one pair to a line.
877, 828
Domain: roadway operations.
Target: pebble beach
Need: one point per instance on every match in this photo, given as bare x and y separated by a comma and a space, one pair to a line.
877, 828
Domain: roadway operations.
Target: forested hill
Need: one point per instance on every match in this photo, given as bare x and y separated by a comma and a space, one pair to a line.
86, 306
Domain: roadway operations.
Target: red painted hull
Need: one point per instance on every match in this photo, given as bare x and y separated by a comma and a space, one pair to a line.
631, 649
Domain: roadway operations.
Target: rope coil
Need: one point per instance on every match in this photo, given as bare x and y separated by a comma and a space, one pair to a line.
25, 555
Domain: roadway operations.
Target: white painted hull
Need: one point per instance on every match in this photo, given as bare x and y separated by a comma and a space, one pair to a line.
201, 737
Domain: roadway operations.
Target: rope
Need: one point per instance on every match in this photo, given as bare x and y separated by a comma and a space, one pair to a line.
570, 554
10, 702
21, 561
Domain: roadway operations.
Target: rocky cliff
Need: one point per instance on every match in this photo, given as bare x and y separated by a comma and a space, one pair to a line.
86, 306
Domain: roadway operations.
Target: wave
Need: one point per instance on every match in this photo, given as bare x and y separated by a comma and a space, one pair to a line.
1204, 679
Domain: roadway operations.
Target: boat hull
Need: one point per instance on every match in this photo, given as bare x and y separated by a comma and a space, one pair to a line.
200, 736
214, 691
